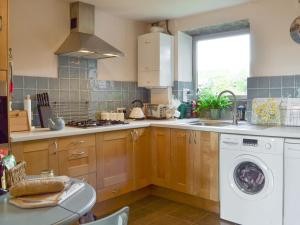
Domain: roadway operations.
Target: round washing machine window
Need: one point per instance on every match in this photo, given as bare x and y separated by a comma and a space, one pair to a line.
250, 177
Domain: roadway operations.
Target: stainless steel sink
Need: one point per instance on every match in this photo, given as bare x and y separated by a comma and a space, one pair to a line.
210, 123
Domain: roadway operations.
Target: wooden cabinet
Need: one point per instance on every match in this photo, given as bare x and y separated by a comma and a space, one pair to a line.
39, 155
77, 157
206, 165
3, 35
161, 156
114, 158
181, 161
141, 157
194, 163
155, 60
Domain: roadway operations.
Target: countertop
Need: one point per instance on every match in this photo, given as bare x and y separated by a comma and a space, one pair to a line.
242, 128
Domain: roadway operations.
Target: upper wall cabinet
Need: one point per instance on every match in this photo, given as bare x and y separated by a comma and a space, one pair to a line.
155, 60
3, 35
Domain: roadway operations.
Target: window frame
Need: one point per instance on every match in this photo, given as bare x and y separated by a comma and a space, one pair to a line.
210, 37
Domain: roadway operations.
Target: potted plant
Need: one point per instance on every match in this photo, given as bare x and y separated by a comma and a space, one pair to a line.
209, 105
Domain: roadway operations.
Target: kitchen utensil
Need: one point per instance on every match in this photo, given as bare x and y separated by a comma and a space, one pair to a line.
18, 121
137, 112
44, 109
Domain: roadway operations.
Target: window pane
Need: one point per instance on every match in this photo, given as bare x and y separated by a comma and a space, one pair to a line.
223, 63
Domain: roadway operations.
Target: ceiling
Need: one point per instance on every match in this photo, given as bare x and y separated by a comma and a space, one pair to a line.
155, 10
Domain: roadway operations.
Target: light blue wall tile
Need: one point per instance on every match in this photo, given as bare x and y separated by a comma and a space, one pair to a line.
18, 81
275, 82
263, 93
252, 93
252, 82
30, 82
275, 93
288, 92
288, 81
263, 82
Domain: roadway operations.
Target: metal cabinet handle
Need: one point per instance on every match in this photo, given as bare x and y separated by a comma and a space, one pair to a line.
55, 147
1, 23
78, 153
78, 142
190, 137
195, 140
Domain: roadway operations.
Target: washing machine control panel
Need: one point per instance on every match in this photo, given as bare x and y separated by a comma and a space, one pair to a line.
250, 142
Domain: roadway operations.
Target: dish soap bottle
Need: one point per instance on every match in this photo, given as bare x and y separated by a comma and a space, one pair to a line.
27, 107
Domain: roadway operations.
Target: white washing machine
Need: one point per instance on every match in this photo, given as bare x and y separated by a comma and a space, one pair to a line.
251, 179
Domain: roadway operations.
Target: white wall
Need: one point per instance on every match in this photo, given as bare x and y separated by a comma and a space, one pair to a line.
37, 28
272, 50
183, 57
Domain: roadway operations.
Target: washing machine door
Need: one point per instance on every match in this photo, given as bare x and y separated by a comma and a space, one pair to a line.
250, 177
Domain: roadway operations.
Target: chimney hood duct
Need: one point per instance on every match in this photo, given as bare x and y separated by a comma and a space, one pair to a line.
82, 42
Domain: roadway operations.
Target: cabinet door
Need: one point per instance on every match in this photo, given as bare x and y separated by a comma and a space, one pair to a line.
114, 154
141, 157
206, 165
161, 157
3, 34
148, 52
181, 161
39, 155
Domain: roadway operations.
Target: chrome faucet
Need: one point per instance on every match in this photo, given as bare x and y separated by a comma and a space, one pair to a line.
234, 111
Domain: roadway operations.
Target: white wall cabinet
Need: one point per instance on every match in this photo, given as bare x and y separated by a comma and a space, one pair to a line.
155, 60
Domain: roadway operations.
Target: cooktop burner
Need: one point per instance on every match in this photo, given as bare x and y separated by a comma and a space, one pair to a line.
94, 123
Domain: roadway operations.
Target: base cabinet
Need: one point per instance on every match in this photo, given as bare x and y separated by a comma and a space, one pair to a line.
161, 156
206, 165
181, 161
114, 159
141, 139
40, 156
119, 162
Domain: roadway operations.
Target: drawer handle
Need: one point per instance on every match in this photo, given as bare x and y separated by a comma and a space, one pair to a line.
230, 142
78, 153
78, 142
115, 191
1, 21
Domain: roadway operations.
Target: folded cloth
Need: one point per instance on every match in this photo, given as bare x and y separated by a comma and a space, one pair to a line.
35, 187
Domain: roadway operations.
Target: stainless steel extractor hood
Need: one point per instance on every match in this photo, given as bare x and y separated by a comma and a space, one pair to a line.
82, 42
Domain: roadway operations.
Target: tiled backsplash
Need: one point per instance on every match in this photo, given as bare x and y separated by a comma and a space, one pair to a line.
272, 87
77, 83
177, 89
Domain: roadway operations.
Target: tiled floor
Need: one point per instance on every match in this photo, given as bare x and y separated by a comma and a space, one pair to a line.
157, 211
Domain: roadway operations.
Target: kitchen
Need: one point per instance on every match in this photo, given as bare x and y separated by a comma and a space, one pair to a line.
234, 165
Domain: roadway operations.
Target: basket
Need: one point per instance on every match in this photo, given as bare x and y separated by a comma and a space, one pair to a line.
16, 174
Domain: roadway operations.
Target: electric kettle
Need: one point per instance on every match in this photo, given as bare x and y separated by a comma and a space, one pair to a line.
137, 110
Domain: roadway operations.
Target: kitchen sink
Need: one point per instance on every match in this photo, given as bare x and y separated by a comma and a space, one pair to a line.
210, 123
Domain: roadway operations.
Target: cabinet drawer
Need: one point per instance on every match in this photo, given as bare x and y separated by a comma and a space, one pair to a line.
77, 162
89, 178
113, 191
76, 142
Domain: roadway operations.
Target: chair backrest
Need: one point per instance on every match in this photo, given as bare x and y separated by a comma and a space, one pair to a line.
118, 218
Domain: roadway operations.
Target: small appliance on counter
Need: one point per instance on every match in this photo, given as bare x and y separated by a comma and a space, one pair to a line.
137, 110
156, 111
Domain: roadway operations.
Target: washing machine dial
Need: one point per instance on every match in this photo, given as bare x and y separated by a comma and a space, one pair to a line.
268, 146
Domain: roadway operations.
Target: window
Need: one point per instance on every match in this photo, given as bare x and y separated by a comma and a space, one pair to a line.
223, 63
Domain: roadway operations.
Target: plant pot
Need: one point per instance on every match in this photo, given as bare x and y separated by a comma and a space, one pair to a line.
204, 114
215, 114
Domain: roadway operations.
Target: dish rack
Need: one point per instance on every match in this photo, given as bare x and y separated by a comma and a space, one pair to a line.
290, 112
